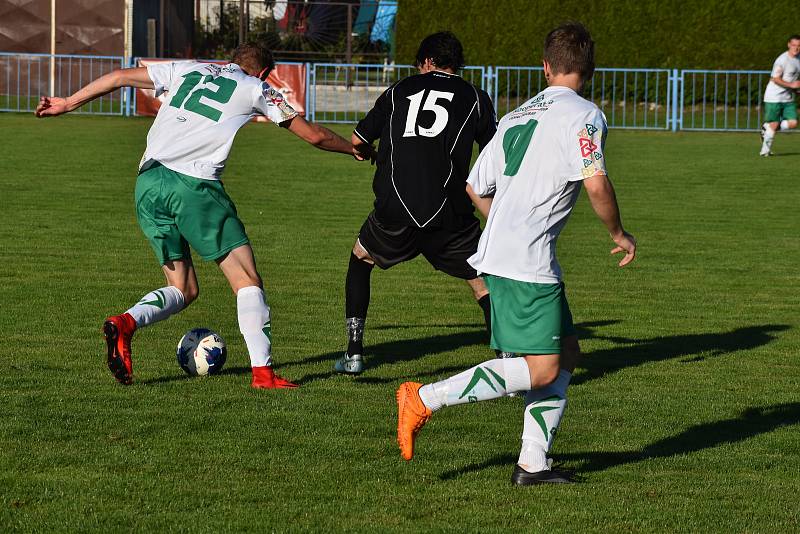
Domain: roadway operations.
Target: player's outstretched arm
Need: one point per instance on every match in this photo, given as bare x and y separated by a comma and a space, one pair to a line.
50, 106
318, 136
604, 202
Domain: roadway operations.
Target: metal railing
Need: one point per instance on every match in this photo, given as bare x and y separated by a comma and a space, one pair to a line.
658, 99
630, 98
345, 92
24, 77
722, 100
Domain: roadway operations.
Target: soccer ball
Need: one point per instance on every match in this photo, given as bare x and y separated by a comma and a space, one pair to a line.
201, 352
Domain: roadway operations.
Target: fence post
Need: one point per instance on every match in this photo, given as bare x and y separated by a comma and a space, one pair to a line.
488, 85
307, 102
674, 104
312, 91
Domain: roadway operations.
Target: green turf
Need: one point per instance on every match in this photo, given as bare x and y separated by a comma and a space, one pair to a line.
684, 417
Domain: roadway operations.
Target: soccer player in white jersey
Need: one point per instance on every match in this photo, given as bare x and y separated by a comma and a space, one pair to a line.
780, 110
180, 200
526, 182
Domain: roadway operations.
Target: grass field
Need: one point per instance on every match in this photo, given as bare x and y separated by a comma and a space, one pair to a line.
685, 415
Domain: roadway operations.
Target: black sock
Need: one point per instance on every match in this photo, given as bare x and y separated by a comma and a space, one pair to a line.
486, 305
356, 302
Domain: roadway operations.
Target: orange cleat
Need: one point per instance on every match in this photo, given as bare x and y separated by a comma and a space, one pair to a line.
265, 378
118, 331
412, 415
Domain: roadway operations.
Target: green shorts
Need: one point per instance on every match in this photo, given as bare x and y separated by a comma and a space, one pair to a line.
775, 111
528, 318
175, 210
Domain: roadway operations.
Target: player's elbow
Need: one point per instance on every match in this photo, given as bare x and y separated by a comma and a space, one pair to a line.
319, 137
117, 77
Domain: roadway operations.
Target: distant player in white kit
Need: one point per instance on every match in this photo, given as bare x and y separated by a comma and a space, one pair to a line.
180, 200
526, 182
780, 110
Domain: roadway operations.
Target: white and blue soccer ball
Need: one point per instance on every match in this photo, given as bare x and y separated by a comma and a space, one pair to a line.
201, 352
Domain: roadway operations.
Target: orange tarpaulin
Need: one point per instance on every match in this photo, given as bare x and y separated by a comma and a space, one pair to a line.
288, 79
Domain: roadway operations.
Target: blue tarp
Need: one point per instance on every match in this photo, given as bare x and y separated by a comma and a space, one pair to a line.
383, 28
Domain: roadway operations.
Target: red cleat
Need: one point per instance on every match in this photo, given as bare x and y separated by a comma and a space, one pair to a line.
119, 330
265, 378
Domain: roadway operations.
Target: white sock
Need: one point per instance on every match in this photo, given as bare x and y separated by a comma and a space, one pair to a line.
544, 408
769, 135
255, 324
157, 306
490, 380
784, 125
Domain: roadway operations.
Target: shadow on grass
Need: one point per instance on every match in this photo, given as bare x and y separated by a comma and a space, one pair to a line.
693, 347
397, 351
412, 349
752, 422
593, 365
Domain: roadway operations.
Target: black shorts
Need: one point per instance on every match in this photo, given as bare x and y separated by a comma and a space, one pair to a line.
446, 249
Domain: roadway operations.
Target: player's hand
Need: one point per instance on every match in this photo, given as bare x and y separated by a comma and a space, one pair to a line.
363, 152
625, 243
50, 106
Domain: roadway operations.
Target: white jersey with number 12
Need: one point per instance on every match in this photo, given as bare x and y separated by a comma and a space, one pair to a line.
205, 106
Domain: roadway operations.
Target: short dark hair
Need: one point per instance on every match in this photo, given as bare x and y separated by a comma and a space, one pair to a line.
255, 56
443, 49
794, 37
569, 48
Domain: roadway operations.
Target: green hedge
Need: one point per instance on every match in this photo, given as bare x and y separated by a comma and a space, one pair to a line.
733, 34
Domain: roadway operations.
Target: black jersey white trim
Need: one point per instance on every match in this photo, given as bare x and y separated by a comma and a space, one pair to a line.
455, 142
360, 136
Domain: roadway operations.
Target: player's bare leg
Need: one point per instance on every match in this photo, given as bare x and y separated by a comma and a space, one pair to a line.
239, 267
180, 291
357, 294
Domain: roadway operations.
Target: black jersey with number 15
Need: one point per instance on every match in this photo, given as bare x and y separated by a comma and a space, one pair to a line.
426, 124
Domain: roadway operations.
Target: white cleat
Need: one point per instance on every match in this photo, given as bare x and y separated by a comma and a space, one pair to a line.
349, 365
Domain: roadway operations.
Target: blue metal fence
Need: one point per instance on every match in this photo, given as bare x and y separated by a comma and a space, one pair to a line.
652, 99
722, 100
630, 98
24, 77
345, 92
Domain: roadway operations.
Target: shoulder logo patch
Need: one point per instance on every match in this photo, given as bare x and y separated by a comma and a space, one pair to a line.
587, 147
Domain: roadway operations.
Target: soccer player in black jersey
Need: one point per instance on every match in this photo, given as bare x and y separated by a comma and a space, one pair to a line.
427, 124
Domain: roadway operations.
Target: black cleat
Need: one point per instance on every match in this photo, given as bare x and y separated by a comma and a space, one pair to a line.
520, 477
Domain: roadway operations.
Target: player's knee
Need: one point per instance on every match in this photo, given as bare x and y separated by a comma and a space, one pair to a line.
190, 294
479, 293
792, 124
361, 253
544, 377
245, 280
543, 372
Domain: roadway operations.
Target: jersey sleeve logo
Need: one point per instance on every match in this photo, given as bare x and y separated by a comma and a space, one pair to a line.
272, 95
587, 146
276, 98
589, 151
